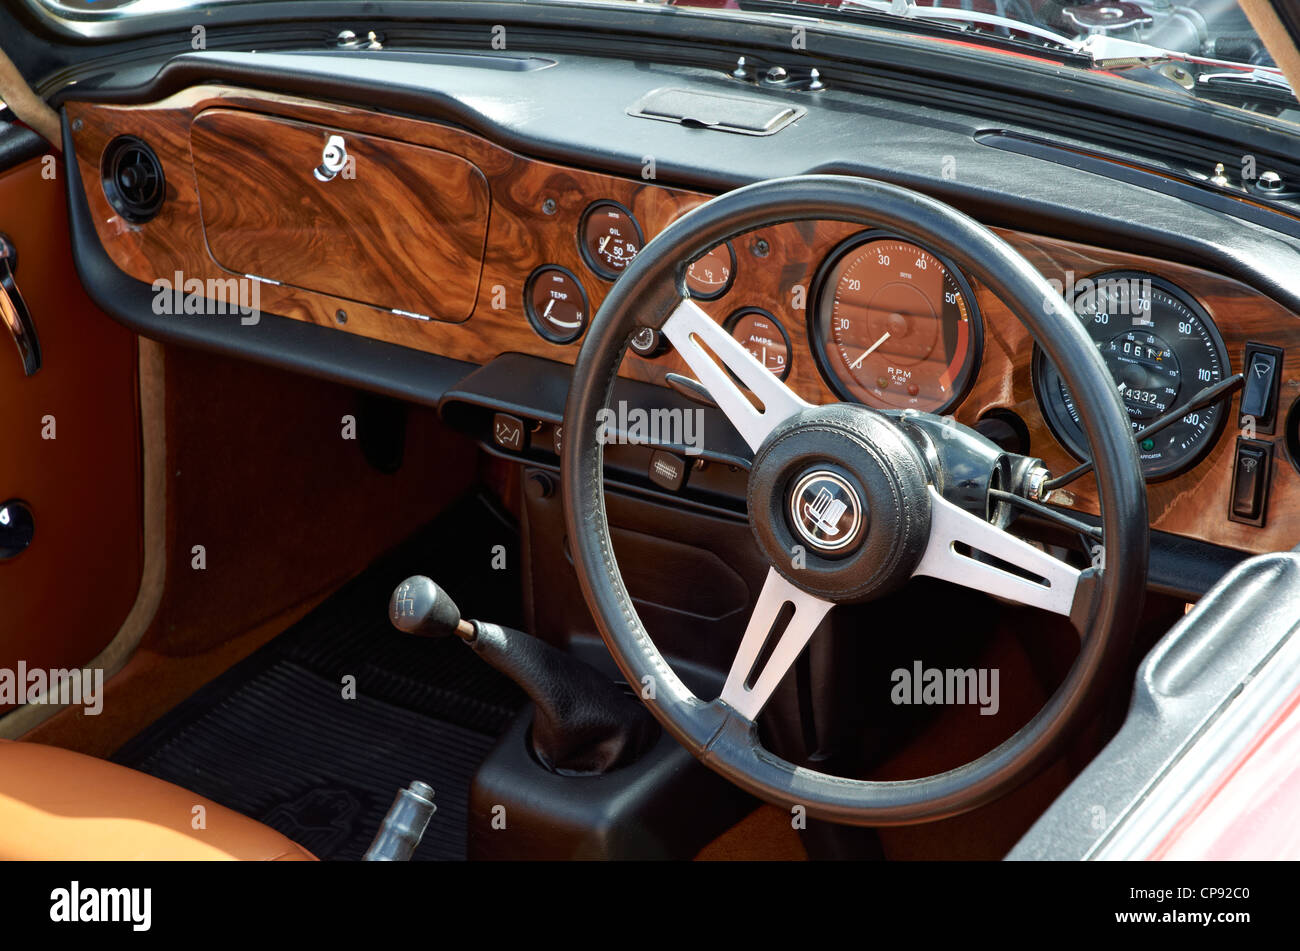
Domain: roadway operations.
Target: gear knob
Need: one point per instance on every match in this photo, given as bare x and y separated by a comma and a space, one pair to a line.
583, 723
418, 606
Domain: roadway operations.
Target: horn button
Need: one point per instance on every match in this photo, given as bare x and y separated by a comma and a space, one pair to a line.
827, 511
838, 501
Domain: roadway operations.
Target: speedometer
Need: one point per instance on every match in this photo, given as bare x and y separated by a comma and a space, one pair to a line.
894, 326
1161, 348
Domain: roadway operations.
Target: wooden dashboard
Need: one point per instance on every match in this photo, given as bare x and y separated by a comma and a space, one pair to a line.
430, 243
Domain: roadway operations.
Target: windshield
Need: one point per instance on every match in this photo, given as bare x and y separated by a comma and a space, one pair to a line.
1203, 48
1206, 49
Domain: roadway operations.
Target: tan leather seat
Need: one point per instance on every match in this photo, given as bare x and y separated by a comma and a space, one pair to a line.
55, 804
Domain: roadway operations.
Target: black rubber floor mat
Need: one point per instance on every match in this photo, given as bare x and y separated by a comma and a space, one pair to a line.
315, 733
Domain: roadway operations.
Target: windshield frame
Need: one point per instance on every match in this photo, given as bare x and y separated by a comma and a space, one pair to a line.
903, 49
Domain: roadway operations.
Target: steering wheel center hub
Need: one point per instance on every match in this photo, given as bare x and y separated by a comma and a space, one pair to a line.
827, 511
838, 501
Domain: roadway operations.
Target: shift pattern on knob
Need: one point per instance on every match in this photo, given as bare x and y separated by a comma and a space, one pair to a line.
419, 606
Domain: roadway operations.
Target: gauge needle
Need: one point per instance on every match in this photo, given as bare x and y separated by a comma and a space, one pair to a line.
546, 314
603, 241
867, 352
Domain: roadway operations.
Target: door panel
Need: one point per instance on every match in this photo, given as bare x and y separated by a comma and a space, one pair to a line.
69, 446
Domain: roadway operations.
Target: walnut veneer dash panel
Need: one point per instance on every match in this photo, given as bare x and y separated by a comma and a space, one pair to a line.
535, 212
401, 226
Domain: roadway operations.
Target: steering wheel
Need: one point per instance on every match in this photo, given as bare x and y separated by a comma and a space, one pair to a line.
891, 517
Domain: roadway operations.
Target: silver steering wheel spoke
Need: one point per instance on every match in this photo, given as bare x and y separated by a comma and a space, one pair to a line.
691, 330
1040, 580
785, 617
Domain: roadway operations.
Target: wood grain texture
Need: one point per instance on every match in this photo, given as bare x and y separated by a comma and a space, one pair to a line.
401, 226
775, 271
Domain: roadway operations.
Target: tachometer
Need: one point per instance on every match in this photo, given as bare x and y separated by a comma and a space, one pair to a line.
1161, 348
894, 326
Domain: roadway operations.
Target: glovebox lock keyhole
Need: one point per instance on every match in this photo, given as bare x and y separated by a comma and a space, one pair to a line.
333, 159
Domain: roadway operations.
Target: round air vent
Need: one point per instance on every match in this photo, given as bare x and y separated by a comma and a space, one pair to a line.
133, 179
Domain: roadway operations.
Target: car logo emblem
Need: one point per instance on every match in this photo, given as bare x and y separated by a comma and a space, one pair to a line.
826, 511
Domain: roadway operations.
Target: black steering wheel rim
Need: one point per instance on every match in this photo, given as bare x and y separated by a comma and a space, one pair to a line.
647, 293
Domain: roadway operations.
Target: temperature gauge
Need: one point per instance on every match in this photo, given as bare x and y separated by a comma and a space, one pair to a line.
763, 336
709, 277
556, 304
609, 237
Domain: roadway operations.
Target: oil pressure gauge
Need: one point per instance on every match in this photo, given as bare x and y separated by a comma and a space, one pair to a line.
609, 237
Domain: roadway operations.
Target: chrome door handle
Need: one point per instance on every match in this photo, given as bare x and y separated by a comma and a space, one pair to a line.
13, 310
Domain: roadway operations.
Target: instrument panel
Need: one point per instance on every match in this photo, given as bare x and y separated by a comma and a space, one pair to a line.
811, 299
894, 325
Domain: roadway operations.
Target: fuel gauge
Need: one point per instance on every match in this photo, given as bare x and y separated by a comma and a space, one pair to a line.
710, 276
609, 237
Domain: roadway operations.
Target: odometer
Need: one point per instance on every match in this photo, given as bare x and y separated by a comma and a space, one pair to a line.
1161, 348
894, 326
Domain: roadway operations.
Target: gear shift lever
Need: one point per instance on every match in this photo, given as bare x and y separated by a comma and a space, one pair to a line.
420, 607
583, 723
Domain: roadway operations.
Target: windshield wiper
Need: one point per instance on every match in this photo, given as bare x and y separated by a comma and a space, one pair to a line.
910, 11
1111, 52
1243, 79
1040, 41
1257, 84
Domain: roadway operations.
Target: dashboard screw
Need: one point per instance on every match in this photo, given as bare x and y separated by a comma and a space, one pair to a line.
548, 206
76, 125
760, 248
341, 316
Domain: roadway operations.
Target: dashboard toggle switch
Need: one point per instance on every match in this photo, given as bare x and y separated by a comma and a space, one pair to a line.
1251, 469
667, 470
1259, 399
508, 432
